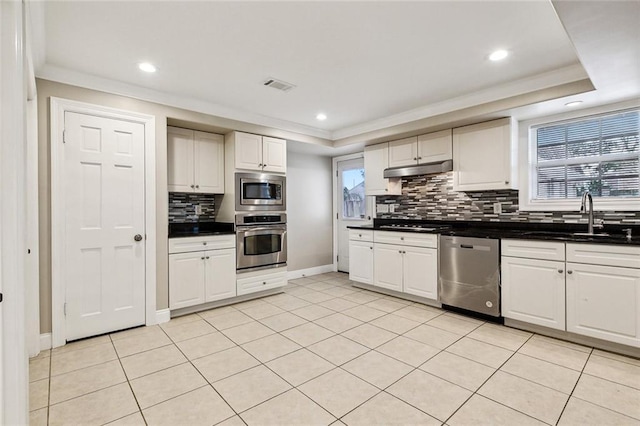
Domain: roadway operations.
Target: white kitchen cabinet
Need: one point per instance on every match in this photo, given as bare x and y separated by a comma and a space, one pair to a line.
406, 262
533, 291
419, 272
195, 161
254, 281
604, 302
376, 159
388, 268
422, 149
260, 153
220, 274
201, 270
485, 156
403, 152
186, 279
361, 255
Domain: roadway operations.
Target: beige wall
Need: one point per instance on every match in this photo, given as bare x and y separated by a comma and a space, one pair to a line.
309, 211
47, 89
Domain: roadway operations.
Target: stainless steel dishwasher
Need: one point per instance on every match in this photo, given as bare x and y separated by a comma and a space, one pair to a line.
470, 274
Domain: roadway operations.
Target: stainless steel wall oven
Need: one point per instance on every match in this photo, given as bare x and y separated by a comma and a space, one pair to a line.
261, 240
260, 192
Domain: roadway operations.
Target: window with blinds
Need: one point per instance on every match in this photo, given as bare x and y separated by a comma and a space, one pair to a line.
599, 154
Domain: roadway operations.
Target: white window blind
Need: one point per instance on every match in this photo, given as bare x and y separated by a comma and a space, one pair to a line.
601, 155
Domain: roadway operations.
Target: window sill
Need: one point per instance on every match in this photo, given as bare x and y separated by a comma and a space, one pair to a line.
599, 204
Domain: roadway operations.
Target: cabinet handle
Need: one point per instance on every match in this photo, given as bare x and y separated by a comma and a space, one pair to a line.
386, 189
419, 158
207, 257
569, 272
402, 238
202, 258
404, 252
197, 186
359, 235
260, 165
506, 182
193, 186
264, 165
400, 251
371, 247
560, 271
264, 283
415, 158
204, 243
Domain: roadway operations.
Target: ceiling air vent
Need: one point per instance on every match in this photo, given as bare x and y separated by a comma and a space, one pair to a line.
278, 84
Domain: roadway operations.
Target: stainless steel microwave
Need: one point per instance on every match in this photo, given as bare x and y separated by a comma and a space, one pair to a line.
260, 191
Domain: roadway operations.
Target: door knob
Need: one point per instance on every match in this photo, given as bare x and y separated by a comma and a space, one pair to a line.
137, 237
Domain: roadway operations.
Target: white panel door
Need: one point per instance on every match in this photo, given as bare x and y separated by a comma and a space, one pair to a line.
186, 279
274, 155
208, 163
420, 271
104, 210
180, 160
220, 274
436, 146
361, 261
387, 268
604, 302
533, 291
248, 151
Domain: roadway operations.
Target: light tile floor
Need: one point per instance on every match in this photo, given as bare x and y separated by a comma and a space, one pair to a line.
324, 352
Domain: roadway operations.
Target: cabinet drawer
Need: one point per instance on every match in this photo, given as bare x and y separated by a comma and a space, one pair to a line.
211, 242
360, 235
603, 254
250, 282
530, 249
406, 238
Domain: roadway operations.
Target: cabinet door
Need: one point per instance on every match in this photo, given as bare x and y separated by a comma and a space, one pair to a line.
604, 302
361, 261
533, 291
376, 159
180, 160
387, 268
248, 151
220, 274
274, 155
186, 279
420, 271
436, 146
482, 156
403, 152
209, 163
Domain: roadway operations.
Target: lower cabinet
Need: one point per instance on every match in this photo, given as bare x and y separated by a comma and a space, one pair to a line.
251, 282
202, 276
410, 265
604, 302
361, 261
533, 291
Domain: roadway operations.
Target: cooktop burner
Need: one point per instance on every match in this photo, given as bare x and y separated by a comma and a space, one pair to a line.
414, 227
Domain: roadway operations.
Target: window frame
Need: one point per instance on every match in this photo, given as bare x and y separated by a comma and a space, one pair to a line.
527, 160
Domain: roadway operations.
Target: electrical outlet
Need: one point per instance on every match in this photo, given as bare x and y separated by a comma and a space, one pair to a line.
198, 209
497, 208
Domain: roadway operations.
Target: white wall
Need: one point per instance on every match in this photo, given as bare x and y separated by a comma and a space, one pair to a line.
309, 211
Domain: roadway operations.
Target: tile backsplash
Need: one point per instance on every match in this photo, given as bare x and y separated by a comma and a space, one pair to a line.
432, 197
182, 207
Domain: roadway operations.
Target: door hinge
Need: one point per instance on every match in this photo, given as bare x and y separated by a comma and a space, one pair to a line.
336, 215
64, 136
65, 309
337, 258
1, 297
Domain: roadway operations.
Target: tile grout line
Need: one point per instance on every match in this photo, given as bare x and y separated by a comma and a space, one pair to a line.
575, 386
126, 376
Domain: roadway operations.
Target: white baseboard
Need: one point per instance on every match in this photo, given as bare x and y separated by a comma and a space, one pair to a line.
163, 315
45, 341
292, 275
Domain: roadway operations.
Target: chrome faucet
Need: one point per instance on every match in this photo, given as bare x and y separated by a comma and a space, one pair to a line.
583, 209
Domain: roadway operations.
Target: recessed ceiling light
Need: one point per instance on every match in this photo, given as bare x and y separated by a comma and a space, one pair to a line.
573, 103
498, 55
321, 117
147, 67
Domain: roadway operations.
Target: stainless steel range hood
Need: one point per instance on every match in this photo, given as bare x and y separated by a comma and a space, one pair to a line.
422, 169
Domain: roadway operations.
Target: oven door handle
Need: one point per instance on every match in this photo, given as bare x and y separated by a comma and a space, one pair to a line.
262, 230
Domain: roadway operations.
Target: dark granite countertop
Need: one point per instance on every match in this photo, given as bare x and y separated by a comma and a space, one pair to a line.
568, 232
199, 229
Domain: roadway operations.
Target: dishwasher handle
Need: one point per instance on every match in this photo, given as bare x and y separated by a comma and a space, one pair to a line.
467, 246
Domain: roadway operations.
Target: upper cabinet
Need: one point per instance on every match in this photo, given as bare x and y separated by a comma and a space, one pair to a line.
261, 153
485, 156
195, 161
422, 149
376, 159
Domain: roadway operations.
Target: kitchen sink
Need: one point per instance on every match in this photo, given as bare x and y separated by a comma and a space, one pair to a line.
578, 236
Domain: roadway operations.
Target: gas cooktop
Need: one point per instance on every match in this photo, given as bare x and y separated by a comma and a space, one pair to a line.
414, 227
